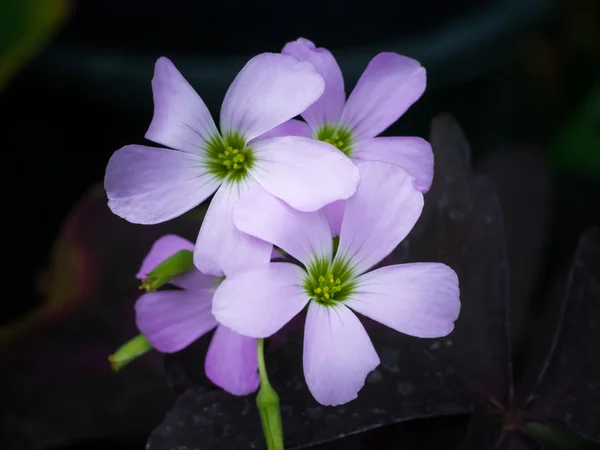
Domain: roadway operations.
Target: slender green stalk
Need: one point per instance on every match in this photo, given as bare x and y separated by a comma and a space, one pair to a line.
267, 401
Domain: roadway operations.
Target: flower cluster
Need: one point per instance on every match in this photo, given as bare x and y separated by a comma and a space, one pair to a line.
327, 191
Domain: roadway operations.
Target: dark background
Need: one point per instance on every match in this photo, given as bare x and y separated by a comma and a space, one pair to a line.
518, 75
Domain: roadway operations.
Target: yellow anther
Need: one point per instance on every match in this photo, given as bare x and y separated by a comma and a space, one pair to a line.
321, 279
326, 295
241, 158
331, 280
235, 150
236, 166
340, 143
227, 152
317, 290
236, 158
326, 289
227, 163
221, 155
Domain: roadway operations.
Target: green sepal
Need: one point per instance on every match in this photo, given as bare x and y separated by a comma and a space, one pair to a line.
129, 351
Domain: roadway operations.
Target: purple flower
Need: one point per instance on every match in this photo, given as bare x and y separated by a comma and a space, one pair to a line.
418, 299
390, 84
149, 185
173, 319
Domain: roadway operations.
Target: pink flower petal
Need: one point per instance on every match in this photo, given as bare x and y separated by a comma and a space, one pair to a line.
305, 173
390, 84
338, 354
259, 302
166, 247
162, 249
304, 235
221, 249
384, 209
150, 185
292, 127
171, 320
231, 362
270, 89
413, 154
181, 119
420, 299
334, 213
328, 109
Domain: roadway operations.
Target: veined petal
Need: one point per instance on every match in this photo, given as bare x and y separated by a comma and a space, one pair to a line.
304, 235
270, 89
171, 320
390, 84
338, 354
231, 362
221, 249
150, 185
413, 154
181, 119
259, 302
292, 127
166, 247
384, 209
334, 213
305, 173
420, 299
328, 108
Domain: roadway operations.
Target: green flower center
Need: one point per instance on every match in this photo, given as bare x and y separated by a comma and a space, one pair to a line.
228, 158
329, 283
336, 135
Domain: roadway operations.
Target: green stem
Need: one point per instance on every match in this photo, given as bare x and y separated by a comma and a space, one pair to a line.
267, 401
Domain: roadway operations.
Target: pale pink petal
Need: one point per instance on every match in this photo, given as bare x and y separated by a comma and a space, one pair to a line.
420, 299
164, 248
413, 154
338, 354
305, 173
292, 127
334, 213
270, 89
258, 302
221, 249
231, 362
304, 235
181, 119
328, 109
171, 320
150, 185
384, 209
390, 84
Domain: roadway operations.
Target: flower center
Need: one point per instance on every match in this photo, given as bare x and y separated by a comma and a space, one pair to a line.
336, 135
329, 283
228, 158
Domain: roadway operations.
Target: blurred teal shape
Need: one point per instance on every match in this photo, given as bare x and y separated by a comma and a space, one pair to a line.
25, 25
577, 145
558, 439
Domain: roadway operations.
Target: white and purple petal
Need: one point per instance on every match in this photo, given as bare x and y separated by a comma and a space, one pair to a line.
328, 108
171, 320
384, 209
390, 84
221, 249
259, 302
413, 154
305, 173
271, 89
181, 119
149, 185
231, 362
338, 354
419, 299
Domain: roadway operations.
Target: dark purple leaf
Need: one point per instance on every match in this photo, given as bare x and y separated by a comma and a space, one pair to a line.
59, 387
